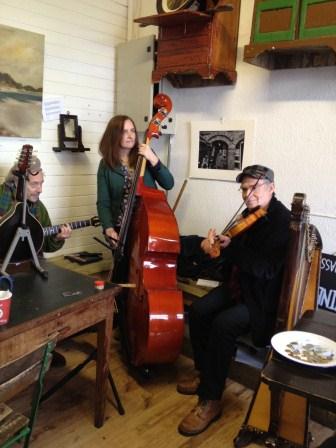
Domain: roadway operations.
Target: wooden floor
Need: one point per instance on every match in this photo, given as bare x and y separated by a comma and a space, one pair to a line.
153, 408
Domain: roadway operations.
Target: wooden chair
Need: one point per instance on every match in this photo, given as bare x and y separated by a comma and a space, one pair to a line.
283, 420
15, 377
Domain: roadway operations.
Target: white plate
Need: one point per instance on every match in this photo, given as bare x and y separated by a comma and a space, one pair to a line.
305, 348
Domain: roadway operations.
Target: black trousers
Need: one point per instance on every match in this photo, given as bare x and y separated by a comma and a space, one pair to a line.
215, 322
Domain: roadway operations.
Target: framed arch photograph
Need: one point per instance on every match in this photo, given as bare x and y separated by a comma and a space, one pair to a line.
219, 150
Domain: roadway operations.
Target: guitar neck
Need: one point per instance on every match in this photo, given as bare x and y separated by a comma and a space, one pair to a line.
53, 230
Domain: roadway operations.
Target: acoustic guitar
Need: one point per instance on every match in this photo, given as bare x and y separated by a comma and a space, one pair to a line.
12, 220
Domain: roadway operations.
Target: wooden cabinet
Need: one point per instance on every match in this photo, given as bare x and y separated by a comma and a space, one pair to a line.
196, 48
292, 34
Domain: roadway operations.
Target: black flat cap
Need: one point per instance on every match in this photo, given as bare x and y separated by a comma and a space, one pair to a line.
257, 172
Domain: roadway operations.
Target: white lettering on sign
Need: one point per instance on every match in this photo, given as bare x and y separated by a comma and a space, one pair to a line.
327, 299
328, 265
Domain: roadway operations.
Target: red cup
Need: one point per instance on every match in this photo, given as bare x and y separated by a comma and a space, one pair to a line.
5, 304
99, 285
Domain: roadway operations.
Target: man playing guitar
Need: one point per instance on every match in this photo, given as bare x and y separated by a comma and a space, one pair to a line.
8, 199
36, 207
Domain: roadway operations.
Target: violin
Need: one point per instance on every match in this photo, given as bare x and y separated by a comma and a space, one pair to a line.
240, 226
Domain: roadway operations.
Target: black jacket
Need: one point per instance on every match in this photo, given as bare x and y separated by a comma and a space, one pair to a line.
259, 254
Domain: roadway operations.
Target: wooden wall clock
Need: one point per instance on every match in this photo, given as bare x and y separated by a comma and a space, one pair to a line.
196, 48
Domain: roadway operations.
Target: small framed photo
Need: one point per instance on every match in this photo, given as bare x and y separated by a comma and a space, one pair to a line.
220, 150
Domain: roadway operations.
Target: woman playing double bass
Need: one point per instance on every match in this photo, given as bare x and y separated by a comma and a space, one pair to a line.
143, 233
119, 148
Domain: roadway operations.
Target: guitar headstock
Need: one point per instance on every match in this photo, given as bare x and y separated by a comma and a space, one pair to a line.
25, 158
95, 221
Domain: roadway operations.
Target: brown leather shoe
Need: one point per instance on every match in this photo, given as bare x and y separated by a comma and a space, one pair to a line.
188, 386
206, 412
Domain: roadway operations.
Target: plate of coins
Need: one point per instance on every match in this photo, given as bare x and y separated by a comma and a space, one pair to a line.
305, 348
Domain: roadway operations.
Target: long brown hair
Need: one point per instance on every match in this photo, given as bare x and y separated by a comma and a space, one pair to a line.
110, 142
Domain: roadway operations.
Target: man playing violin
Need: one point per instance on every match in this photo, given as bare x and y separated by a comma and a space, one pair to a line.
245, 302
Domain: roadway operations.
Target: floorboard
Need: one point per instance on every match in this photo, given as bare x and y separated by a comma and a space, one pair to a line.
153, 408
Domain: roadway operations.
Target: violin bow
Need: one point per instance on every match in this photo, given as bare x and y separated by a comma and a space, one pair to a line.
229, 224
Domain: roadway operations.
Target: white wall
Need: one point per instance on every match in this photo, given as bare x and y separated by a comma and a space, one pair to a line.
294, 113
79, 65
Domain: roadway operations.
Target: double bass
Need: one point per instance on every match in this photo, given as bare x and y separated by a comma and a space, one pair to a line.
149, 243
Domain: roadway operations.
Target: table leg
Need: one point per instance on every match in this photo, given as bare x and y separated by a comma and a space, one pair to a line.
104, 335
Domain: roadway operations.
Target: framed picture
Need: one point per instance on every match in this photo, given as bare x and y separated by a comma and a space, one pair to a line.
21, 82
219, 150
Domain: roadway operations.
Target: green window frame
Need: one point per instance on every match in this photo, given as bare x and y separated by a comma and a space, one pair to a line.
306, 33
274, 36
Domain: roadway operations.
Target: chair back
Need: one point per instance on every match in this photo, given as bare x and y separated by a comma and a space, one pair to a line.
16, 376
302, 267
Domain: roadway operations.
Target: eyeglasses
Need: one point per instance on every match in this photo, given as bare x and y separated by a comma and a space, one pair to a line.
256, 186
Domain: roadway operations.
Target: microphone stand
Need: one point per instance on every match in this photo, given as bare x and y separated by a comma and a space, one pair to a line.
23, 233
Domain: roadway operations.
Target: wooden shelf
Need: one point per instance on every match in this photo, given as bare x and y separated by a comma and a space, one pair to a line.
299, 53
292, 34
174, 18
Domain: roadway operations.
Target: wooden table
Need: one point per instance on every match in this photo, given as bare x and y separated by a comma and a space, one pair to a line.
40, 308
318, 385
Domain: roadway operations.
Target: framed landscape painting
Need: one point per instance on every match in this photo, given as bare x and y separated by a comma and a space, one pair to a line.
21, 82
